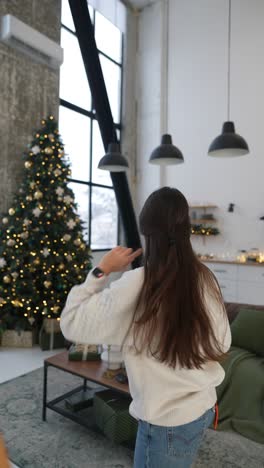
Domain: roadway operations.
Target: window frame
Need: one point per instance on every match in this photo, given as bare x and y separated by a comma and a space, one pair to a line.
92, 117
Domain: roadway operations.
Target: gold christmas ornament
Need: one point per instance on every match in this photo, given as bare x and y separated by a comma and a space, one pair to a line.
56, 309
7, 279
48, 150
47, 284
29, 198
32, 185
61, 266
5, 220
36, 261
17, 303
11, 211
77, 242
38, 194
11, 242
28, 164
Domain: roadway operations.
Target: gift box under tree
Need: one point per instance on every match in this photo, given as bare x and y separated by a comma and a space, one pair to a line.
50, 336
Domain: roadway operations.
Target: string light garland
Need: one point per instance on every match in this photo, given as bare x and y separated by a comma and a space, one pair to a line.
201, 230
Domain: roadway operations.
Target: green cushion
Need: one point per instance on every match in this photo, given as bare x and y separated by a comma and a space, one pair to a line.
248, 331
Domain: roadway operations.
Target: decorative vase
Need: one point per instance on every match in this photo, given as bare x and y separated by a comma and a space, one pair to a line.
112, 356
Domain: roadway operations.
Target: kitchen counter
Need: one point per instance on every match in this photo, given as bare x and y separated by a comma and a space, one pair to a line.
231, 262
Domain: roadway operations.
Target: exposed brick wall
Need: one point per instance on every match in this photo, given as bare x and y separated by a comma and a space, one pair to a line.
28, 90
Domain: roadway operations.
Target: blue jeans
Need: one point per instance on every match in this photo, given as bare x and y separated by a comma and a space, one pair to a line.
170, 447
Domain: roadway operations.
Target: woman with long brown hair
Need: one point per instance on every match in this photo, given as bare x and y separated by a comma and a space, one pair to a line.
170, 319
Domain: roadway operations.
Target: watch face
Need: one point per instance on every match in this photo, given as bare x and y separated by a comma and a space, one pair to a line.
98, 273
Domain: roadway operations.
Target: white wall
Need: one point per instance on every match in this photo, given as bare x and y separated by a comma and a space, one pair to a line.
149, 96
197, 102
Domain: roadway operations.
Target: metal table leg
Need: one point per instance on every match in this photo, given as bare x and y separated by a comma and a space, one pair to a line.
44, 408
84, 385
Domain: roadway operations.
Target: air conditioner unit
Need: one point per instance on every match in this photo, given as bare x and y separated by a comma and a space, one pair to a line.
27, 40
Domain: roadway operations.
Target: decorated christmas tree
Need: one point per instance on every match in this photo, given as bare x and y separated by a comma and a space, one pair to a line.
42, 249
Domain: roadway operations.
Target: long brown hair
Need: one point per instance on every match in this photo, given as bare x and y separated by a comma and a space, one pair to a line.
171, 307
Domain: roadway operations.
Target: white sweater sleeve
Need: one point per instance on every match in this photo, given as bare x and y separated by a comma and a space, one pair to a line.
220, 323
94, 314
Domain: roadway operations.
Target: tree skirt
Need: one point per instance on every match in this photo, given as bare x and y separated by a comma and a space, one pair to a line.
61, 443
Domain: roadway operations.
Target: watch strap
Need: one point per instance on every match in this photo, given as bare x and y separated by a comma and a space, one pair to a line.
97, 272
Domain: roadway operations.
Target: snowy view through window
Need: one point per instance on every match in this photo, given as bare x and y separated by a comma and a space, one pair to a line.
79, 128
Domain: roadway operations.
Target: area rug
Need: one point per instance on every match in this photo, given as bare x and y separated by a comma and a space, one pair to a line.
61, 443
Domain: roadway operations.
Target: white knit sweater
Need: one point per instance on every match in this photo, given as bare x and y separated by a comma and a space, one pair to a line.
97, 314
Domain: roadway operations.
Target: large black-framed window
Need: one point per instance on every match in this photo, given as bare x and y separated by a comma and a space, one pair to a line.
79, 128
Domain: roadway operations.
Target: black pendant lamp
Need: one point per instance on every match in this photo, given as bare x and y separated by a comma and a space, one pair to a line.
166, 153
113, 160
229, 143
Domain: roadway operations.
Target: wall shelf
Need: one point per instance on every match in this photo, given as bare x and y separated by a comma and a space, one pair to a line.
201, 224
202, 220
195, 207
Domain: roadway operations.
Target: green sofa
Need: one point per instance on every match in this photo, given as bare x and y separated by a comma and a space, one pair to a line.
241, 395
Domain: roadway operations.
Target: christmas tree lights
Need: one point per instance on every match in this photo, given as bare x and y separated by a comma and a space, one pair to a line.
42, 249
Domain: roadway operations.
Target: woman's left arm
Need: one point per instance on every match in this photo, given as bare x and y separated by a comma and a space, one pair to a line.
95, 314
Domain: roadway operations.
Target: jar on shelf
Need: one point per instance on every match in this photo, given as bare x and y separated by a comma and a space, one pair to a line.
253, 254
242, 256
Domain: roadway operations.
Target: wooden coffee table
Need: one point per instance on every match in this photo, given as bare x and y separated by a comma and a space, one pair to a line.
88, 371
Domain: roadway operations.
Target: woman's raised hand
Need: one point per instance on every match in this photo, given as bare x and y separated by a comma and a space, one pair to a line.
118, 259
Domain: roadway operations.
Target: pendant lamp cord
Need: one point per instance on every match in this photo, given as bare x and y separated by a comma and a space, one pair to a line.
228, 67
167, 67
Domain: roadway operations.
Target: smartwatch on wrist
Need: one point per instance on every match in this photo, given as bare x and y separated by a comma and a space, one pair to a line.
98, 273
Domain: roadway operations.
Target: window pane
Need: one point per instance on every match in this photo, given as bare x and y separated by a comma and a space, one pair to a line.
66, 16
75, 132
112, 77
108, 37
81, 192
104, 219
74, 85
91, 10
98, 176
